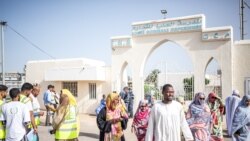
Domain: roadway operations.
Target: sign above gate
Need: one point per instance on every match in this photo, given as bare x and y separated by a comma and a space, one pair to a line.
213, 34
122, 41
183, 24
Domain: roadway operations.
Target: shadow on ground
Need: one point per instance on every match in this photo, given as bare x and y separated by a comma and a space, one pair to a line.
91, 135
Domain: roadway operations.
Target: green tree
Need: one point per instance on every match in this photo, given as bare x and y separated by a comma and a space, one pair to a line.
151, 84
152, 78
147, 88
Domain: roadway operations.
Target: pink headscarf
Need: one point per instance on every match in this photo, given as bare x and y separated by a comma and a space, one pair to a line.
141, 115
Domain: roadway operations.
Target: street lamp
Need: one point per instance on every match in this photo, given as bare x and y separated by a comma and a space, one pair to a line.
164, 12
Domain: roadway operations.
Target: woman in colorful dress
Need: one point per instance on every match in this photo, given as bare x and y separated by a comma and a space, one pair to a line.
140, 122
199, 118
217, 108
241, 121
112, 119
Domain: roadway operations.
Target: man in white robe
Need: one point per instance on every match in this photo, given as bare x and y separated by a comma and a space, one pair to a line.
231, 104
167, 119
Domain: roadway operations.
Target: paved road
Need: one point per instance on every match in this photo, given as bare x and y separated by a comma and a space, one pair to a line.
88, 131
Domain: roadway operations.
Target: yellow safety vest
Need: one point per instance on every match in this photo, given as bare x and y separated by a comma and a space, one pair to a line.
2, 129
37, 120
23, 99
68, 128
36, 116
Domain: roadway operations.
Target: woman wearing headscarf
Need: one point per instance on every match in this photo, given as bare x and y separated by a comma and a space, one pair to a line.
112, 119
217, 108
241, 121
65, 122
199, 118
140, 122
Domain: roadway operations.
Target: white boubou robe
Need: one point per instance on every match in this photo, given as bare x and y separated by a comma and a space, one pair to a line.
232, 103
166, 122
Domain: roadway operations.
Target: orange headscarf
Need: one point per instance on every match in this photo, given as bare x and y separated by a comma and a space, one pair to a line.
115, 111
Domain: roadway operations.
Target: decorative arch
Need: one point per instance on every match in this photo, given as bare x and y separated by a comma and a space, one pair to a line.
125, 64
158, 44
188, 32
209, 61
215, 79
185, 90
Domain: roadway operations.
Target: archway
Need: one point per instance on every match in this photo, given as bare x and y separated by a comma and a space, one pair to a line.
172, 64
190, 33
213, 77
126, 75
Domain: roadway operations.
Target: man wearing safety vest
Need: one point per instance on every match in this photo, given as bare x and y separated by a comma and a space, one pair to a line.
25, 99
65, 122
35, 104
3, 93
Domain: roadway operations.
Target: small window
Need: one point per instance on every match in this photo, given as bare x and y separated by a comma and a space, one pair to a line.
71, 86
92, 90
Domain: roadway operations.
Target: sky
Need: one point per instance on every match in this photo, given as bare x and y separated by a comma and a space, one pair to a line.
81, 28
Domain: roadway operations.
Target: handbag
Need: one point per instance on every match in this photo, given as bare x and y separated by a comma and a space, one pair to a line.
124, 123
107, 127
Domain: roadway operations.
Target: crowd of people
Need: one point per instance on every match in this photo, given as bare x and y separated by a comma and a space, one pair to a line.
20, 113
166, 120
170, 120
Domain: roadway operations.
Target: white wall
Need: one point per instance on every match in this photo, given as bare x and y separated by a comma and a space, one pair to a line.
35, 73
241, 64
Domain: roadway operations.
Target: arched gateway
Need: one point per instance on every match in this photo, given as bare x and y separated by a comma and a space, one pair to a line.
189, 32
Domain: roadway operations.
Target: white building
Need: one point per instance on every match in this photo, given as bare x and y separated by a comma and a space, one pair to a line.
87, 79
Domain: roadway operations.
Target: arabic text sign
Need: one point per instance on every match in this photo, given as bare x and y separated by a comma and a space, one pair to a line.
170, 26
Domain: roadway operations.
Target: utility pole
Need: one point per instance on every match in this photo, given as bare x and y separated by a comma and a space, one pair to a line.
2, 24
242, 6
242, 19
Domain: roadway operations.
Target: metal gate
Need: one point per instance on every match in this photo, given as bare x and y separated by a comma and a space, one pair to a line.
183, 84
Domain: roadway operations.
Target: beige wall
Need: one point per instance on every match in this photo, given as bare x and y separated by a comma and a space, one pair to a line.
35, 73
241, 64
87, 105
